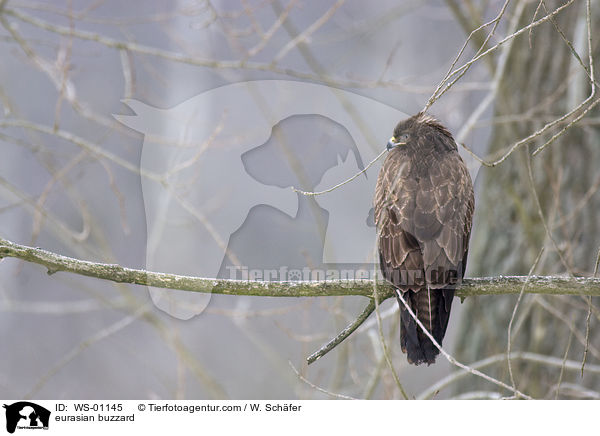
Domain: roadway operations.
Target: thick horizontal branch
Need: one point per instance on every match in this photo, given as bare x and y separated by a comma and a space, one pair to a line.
474, 286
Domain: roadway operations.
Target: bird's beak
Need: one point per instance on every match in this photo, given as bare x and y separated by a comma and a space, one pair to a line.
391, 143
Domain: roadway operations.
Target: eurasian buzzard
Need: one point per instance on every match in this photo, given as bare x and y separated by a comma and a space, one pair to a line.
423, 211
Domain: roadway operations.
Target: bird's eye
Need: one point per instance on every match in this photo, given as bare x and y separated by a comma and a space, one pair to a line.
403, 138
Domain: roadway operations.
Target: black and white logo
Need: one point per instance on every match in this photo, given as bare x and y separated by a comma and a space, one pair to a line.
26, 415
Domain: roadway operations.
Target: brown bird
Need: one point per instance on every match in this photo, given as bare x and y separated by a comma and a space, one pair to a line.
423, 211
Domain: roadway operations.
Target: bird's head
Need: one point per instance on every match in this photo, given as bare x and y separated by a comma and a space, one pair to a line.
407, 131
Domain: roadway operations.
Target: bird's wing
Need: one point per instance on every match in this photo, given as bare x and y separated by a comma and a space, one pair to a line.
394, 204
454, 203
424, 223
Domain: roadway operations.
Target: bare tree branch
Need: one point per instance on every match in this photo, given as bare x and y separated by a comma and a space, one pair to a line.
343, 334
550, 285
197, 61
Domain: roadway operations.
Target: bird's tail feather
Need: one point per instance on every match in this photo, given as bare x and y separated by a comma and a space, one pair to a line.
432, 308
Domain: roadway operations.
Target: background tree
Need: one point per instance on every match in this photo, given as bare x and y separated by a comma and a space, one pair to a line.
547, 200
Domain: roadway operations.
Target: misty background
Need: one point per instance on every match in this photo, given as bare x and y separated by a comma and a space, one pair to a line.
68, 67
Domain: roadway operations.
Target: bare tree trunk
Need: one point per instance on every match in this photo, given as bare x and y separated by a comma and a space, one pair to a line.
541, 81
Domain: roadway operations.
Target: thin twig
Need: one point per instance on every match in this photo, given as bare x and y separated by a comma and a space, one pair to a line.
588, 318
438, 91
309, 31
570, 124
570, 44
84, 144
537, 9
452, 360
437, 94
498, 358
542, 217
77, 350
509, 342
461, 70
562, 368
343, 334
201, 62
318, 388
384, 346
266, 37
562, 317
311, 194
496, 81
579, 392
